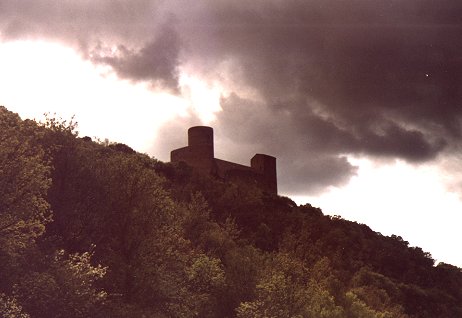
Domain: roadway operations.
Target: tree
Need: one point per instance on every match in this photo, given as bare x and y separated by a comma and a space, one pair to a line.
24, 181
10, 308
61, 286
286, 290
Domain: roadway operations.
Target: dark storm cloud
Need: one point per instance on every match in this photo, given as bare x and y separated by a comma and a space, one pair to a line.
376, 78
77, 20
156, 62
363, 69
306, 163
327, 78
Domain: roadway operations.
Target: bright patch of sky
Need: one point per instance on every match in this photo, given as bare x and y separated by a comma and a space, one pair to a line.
41, 77
397, 198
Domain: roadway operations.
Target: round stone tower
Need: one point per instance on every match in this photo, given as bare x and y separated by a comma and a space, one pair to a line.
200, 138
201, 151
266, 166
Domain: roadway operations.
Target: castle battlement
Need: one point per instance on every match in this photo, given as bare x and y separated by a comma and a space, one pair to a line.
199, 154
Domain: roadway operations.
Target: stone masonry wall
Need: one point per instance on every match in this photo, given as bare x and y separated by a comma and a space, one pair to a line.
199, 154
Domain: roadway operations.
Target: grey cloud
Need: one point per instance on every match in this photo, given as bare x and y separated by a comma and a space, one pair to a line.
330, 78
156, 62
246, 127
389, 72
312, 173
78, 20
311, 148
306, 164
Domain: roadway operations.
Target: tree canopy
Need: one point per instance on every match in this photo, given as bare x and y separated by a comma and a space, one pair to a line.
95, 229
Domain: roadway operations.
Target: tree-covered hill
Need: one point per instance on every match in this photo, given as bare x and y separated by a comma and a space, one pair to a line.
95, 229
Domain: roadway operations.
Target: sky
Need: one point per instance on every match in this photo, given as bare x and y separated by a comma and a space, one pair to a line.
360, 101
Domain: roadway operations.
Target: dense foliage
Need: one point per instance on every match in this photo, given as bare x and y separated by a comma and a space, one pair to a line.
94, 229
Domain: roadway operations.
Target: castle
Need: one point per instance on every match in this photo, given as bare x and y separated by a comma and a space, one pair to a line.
199, 154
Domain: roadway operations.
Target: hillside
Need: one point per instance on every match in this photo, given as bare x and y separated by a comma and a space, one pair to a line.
95, 229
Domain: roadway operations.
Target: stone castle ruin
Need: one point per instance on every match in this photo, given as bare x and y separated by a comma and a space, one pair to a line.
199, 154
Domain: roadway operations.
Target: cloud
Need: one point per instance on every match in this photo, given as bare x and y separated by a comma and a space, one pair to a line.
379, 79
306, 164
156, 62
70, 20
312, 81
135, 38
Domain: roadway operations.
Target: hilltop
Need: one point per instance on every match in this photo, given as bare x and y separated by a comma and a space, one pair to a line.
95, 229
